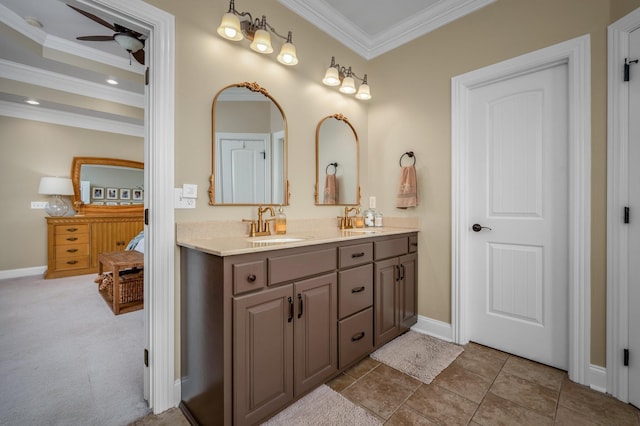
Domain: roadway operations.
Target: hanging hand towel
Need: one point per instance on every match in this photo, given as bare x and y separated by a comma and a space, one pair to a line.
408, 190
330, 189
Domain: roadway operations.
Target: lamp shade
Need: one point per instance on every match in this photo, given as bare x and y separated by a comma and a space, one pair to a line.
55, 186
230, 27
331, 77
364, 93
348, 85
287, 54
261, 42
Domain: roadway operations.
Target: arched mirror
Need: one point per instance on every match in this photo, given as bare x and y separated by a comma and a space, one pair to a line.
337, 167
107, 185
249, 148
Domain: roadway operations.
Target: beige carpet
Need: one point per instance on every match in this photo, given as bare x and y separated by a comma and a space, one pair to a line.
324, 406
418, 355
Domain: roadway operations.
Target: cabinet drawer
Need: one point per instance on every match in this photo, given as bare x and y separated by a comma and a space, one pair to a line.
249, 276
413, 244
355, 290
72, 250
72, 229
72, 263
292, 267
355, 337
355, 255
390, 248
62, 239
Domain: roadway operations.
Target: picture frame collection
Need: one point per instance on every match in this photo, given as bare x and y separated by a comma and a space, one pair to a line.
116, 196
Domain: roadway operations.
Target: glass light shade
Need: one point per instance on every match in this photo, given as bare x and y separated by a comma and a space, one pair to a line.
348, 85
287, 54
261, 42
230, 27
331, 77
363, 92
128, 42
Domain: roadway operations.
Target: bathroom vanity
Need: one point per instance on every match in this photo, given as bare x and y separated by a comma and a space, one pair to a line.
266, 320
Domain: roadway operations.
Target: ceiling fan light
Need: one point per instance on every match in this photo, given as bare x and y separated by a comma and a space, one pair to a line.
230, 27
348, 86
331, 77
261, 42
128, 42
364, 93
287, 55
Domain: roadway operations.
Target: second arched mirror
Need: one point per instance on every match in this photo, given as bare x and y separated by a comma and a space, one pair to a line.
249, 148
337, 167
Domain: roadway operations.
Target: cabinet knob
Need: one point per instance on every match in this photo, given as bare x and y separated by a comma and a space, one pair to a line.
251, 278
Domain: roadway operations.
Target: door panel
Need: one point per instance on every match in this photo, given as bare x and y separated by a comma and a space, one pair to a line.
244, 167
518, 189
408, 296
386, 307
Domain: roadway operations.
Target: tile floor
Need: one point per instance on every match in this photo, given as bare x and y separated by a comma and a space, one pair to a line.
482, 386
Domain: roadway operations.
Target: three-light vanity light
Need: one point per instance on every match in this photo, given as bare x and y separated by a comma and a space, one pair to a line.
344, 77
258, 31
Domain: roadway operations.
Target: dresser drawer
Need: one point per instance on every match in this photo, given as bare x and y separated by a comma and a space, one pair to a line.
355, 255
71, 250
355, 337
72, 229
63, 239
292, 267
390, 248
66, 264
355, 290
249, 276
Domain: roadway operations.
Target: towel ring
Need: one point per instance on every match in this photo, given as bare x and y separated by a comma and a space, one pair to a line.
410, 154
335, 168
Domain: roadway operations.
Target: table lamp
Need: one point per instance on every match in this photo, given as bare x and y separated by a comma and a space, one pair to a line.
56, 186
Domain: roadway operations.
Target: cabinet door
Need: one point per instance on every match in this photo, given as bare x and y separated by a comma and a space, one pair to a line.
111, 236
408, 291
386, 314
316, 353
263, 353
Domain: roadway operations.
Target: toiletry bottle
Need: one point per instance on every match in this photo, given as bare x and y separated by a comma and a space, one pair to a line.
281, 222
369, 217
377, 219
359, 220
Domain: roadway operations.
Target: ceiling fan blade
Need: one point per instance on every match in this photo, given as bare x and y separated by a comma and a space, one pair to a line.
93, 18
95, 38
139, 56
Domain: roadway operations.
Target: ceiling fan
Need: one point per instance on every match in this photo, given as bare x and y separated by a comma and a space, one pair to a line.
129, 40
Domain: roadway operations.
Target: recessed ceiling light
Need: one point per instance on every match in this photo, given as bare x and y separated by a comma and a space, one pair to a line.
112, 81
33, 21
32, 102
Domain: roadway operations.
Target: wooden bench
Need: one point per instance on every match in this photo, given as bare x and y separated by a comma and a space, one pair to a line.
116, 262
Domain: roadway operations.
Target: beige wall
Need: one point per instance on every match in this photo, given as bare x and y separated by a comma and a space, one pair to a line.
28, 151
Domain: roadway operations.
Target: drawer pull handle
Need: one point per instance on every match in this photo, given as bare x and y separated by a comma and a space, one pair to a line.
72, 250
357, 337
290, 300
72, 239
354, 255
72, 262
72, 229
251, 278
357, 290
300, 306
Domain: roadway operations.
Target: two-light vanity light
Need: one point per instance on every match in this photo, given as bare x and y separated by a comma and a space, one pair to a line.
258, 31
336, 74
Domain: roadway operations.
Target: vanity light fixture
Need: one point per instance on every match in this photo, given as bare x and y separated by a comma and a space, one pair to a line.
258, 31
336, 74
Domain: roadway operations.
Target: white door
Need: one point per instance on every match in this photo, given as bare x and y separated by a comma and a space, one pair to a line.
518, 190
634, 222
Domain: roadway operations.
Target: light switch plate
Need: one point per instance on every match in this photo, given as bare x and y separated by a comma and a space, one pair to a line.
39, 204
372, 202
189, 190
183, 203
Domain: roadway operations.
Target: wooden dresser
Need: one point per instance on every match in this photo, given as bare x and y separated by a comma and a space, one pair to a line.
74, 242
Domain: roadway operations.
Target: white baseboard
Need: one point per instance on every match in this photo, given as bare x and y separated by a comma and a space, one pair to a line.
435, 328
177, 392
24, 272
598, 378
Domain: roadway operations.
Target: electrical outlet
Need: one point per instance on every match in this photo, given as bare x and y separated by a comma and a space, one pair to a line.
183, 203
39, 204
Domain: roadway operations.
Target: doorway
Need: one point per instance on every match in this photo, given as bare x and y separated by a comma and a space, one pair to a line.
574, 55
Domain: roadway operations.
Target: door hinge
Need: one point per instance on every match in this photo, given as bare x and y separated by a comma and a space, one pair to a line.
146, 76
146, 216
627, 66
146, 357
625, 357
626, 215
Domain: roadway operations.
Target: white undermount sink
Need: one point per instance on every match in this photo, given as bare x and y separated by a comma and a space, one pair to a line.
276, 240
363, 231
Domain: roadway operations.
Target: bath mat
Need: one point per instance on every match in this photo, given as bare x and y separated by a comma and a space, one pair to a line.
418, 355
323, 406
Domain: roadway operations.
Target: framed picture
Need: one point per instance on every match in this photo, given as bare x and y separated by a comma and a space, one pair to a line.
125, 194
112, 193
137, 194
97, 193
111, 203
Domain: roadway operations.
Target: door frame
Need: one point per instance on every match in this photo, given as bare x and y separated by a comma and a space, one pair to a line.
159, 129
576, 54
617, 198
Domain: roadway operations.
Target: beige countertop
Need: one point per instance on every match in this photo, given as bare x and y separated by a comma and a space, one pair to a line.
233, 245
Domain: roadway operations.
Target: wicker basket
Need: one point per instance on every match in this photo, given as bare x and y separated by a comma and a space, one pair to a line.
131, 286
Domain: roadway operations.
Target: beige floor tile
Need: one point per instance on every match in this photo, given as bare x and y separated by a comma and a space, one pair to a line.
362, 368
541, 374
341, 382
396, 377
441, 405
525, 393
498, 411
481, 360
405, 416
463, 382
567, 417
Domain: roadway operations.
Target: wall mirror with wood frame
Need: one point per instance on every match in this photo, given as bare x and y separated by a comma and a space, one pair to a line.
337, 165
249, 148
107, 185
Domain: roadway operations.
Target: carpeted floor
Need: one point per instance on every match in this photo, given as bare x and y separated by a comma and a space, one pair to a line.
65, 359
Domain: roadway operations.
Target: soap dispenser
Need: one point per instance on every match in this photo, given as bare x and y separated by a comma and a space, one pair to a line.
281, 222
